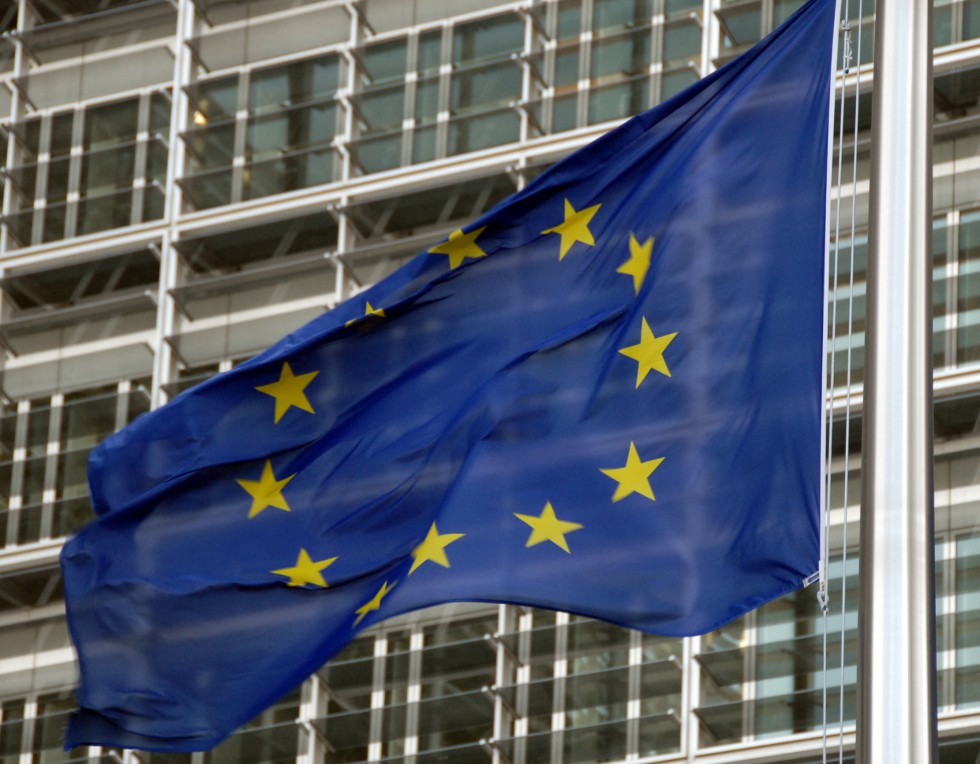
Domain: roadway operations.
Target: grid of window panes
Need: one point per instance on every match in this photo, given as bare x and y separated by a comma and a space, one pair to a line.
83, 170
464, 683
44, 447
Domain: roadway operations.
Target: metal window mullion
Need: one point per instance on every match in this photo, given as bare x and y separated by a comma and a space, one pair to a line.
239, 159
443, 111
526, 85
584, 65
502, 676
749, 689
948, 646
17, 468
710, 38
525, 624
376, 714
17, 114
41, 180
123, 391
346, 140
411, 81
690, 697
163, 355
658, 31
53, 451
952, 285
345, 243
634, 696
766, 18
560, 670
140, 158
308, 747
549, 67
76, 157
413, 693
27, 731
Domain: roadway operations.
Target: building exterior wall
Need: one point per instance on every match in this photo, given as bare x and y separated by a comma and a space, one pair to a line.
185, 181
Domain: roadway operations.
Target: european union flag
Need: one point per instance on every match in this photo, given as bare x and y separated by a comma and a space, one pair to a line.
603, 396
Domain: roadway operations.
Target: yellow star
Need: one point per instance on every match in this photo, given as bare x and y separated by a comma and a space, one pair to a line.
433, 548
634, 477
547, 527
374, 603
266, 491
369, 310
574, 228
649, 353
639, 261
306, 572
288, 391
459, 246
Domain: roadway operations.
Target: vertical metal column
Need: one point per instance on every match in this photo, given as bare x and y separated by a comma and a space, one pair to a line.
896, 671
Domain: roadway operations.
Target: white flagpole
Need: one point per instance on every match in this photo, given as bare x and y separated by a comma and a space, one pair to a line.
896, 721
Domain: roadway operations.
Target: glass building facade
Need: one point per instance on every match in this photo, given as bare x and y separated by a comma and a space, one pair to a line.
185, 181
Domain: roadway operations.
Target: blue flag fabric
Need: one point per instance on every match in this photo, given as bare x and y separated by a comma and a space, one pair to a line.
603, 397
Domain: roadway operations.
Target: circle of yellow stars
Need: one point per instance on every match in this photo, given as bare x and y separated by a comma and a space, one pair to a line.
633, 478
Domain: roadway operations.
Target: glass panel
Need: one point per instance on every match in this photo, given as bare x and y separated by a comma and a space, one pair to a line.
49, 730
384, 62
292, 130
424, 144
741, 25
289, 173
482, 131
381, 109
427, 100
622, 55
11, 731
272, 737
430, 51
28, 519
971, 19
680, 6
216, 99
491, 86
619, 101
58, 172
111, 124
488, 38
458, 657
620, 13
211, 146
283, 86
595, 645
107, 171
569, 19
682, 40
100, 213
72, 514
967, 623
208, 189
54, 222
160, 112
672, 83
62, 126
601, 743
783, 9
379, 153
156, 164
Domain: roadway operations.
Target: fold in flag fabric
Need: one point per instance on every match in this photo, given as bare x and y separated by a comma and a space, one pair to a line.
602, 396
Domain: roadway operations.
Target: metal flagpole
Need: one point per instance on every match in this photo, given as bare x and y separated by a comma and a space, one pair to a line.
896, 720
